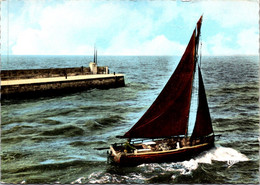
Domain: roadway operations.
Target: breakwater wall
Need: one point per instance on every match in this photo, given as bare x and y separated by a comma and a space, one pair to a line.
47, 73
47, 82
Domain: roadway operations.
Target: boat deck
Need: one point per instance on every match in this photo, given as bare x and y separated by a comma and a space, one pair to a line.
146, 151
163, 146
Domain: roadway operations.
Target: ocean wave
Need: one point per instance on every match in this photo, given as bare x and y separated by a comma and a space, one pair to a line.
50, 121
238, 123
110, 120
69, 130
93, 125
104, 178
12, 156
235, 88
87, 143
13, 139
105, 122
52, 165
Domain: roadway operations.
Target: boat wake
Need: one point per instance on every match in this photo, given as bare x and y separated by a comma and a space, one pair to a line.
146, 173
223, 154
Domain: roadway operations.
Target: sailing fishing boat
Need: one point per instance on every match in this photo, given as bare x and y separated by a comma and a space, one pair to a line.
162, 135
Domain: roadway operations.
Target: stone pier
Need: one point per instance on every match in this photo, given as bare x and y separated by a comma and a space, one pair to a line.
41, 82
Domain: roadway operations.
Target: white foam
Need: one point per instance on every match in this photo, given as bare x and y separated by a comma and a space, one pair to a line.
78, 181
100, 178
224, 154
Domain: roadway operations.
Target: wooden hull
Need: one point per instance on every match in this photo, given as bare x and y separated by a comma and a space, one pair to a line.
181, 154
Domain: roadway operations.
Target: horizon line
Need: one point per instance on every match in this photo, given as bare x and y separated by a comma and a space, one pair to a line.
123, 55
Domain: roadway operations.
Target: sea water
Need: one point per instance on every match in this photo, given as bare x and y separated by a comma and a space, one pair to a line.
52, 139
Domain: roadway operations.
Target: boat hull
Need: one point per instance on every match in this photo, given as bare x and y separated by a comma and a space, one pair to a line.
185, 153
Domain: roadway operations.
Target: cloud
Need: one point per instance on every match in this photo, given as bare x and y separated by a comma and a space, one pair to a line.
246, 42
159, 45
130, 28
231, 13
218, 45
68, 28
63, 29
238, 23
33, 40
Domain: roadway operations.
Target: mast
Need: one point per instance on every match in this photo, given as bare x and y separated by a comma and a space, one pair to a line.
94, 54
200, 52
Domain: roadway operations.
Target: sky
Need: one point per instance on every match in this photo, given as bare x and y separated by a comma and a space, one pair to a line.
124, 27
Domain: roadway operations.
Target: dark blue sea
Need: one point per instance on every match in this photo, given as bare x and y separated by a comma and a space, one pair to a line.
52, 139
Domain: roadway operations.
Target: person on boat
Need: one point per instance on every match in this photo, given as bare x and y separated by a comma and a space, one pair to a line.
128, 147
178, 145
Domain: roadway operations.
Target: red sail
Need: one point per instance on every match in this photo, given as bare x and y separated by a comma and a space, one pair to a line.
168, 115
203, 125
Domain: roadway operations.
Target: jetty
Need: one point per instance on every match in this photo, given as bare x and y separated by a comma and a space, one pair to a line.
56, 81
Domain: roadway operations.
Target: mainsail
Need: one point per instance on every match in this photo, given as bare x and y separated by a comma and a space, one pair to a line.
168, 115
